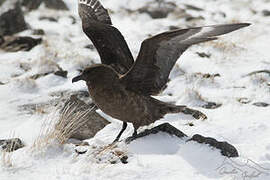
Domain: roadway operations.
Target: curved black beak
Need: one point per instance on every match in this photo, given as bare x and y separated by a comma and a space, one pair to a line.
77, 78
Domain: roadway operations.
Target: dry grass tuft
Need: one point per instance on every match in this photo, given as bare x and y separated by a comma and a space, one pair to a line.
6, 154
60, 125
6, 159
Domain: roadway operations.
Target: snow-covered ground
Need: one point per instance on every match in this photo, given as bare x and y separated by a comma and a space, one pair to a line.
158, 156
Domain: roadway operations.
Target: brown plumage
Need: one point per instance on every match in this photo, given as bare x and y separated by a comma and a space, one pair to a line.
122, 88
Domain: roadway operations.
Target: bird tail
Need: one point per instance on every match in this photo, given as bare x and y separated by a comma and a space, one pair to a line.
171, 108
160, 109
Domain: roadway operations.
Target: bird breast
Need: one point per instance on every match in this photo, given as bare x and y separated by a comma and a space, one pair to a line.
120, 103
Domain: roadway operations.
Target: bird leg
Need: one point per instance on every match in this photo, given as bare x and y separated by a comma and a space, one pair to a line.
124, 126
134, 133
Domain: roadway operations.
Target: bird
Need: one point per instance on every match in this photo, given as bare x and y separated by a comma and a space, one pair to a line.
123, 88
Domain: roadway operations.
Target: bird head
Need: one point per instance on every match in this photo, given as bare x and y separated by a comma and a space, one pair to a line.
96, 73
86, 75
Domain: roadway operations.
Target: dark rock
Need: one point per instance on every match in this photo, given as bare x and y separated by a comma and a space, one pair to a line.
31, 4
10, 145
25, 66
258, 72
11, 18
244, 100
2, 1
73, 19
61, 73
223, 14
211, 105
210, 75
260, 104
2, 40
173, 28
266, 12
203, 55
36, 76
165, 127
1, 83
80, 152
58, 99
191, 18
158, 11
226, 148
192, 7
55, 4
92, 122
51, 19
124, 159
38, 32
195, 113
90, 46
19, 43
61, 94
190, 124
51, 4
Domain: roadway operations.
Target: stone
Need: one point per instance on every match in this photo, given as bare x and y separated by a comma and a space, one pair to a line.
158, 11
172, 27
39, 32
243, 100
55, 4
203, 55
258, 72
2, 1
58, 99
211, 105
194, 18
227, 149
51, 4
90, 46
11, 18
61, 73
31, 4
192, 7
73, 19
36, 76
19, 43
260, 104
10, 145
165, 127
51, 19
266, 12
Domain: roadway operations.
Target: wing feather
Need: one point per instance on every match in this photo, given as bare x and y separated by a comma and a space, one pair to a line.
159, 53
108, 40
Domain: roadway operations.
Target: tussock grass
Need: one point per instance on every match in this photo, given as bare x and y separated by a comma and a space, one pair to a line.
6, 155
6, 159
59, 125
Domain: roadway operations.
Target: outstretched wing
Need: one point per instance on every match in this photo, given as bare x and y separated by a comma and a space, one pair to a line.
108, 40
158, 55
